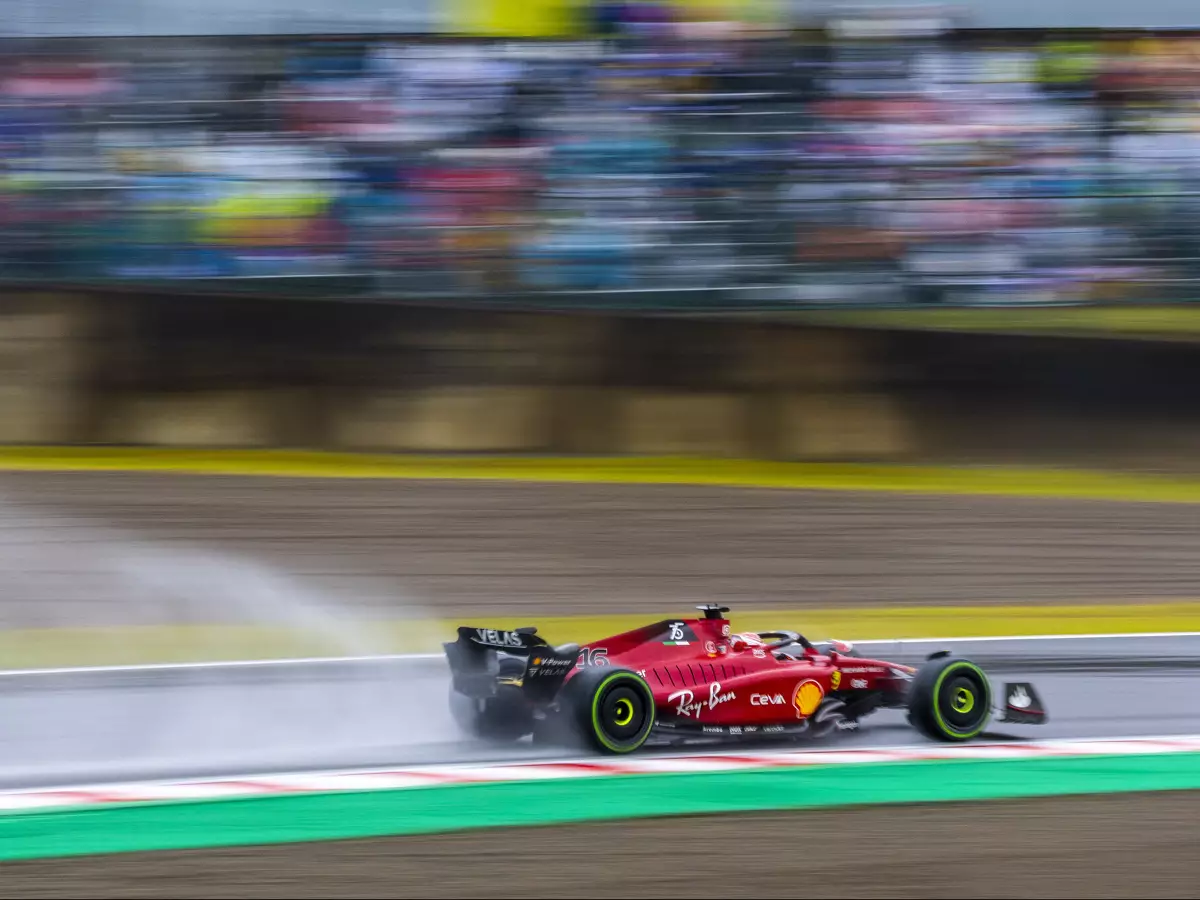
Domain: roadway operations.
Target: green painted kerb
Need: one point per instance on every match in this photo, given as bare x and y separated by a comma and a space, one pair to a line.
295, 818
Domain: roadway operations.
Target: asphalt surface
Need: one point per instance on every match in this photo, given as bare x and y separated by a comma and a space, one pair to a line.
133, 548
139, 548
1116, 846
106, 549
175, 722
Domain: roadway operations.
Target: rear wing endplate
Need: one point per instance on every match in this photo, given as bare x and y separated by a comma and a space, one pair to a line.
475, 663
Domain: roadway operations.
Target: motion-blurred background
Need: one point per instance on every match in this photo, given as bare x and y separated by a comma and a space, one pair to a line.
365, 226
489, 236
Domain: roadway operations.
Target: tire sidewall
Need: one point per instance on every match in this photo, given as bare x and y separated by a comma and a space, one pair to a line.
586, 694
927, 705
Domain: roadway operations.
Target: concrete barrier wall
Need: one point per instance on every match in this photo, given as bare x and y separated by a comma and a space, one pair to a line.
46, 355
837, 425
237, 418
243, 373
446, 420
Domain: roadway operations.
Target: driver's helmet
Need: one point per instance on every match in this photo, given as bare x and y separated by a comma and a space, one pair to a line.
741, 642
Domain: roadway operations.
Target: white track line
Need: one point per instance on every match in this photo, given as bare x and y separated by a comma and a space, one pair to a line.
427, 776
415, 657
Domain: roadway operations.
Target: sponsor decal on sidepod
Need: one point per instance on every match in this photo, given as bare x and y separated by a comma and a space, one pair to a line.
687, 705
766, 700
807, 697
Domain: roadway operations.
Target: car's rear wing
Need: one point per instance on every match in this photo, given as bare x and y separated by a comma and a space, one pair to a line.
477, 671
519, 640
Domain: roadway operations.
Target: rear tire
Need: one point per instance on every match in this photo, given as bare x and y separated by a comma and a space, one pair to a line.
612, 708
950, 700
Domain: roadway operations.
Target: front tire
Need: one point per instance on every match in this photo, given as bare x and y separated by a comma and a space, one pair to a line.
950, 700
613, 709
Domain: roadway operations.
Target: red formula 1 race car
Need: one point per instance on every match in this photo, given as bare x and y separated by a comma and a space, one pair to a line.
682, 681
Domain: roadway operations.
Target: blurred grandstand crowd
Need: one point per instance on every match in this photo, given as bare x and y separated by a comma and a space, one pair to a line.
820, 168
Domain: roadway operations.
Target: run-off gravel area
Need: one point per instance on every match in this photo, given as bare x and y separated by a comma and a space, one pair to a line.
1136, 846
108, 548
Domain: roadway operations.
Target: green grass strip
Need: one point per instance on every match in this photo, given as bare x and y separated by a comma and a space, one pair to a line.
297, 818
1002, 481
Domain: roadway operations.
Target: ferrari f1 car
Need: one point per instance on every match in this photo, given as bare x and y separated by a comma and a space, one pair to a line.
681, 681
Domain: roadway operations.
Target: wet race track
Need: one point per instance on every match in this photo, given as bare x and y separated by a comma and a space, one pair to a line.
226, 720
105, 549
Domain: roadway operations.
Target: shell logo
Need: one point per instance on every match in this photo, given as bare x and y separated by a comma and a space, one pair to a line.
807, 697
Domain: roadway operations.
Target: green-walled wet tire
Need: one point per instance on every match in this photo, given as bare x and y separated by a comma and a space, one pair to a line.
950, 700
612, 708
